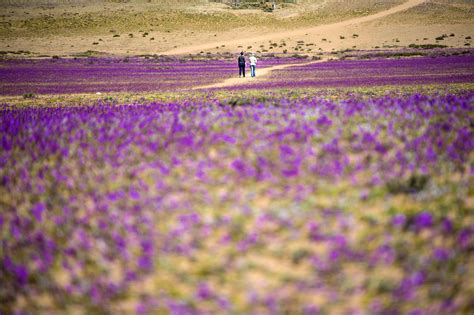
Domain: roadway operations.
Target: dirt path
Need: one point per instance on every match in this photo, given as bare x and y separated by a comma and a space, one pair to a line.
334, 27
262, 74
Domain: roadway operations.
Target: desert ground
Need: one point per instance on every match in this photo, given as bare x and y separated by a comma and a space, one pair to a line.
162, 27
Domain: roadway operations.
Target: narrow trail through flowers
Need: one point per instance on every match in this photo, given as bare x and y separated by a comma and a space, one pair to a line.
262, 74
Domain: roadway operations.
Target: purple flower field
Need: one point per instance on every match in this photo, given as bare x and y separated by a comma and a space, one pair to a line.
105, 75
92, 75
376, 72
272, 204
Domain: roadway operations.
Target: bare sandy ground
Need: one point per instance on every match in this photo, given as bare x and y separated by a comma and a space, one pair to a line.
412, 22
330, 29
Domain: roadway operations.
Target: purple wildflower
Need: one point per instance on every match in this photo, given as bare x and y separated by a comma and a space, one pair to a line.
424, 220
398, 220
441, 254
145, 262
204, 292
38, 210
21, 273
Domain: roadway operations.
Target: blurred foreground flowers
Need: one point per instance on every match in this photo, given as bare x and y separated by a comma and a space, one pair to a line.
275, 205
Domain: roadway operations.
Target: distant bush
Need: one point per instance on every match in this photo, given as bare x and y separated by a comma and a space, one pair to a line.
29, 96
426, 46
298, 56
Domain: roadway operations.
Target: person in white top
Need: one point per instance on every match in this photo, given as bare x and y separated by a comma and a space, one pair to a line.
253, 65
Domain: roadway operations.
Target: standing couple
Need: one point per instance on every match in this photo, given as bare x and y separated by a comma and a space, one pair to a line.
242, 62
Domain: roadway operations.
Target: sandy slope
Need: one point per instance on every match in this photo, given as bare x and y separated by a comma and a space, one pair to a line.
406, 23
328, 28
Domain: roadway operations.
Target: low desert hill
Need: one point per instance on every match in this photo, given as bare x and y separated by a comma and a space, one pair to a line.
69, 27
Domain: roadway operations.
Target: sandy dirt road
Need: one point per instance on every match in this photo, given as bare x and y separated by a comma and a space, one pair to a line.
327, 28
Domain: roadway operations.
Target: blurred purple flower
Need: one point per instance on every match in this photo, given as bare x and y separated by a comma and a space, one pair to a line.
423, 220
187, 141
147, 247
465, 237
399, 220
441, 254
38, 210
130, 276
447, 225
417, 278
21, 272
247, 242
311, 310
204, 292
238, 165
134, 194
95, 294
324, 121
339, 240
141, 309
313, 230
286, 150
145, 262
290, 172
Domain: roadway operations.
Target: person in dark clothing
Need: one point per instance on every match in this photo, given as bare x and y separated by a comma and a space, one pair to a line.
241, 62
